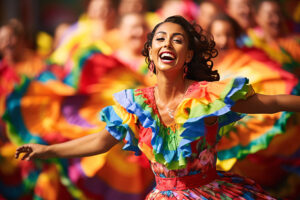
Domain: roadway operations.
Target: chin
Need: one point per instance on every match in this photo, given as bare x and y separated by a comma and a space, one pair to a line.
166, 67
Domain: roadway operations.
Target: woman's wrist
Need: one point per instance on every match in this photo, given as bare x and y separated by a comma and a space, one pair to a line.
49, 151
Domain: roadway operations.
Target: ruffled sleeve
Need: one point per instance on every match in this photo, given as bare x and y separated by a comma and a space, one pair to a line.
122, 125
208, 99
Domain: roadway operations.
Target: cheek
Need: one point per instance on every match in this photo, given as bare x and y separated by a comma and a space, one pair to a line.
218, 40
154, 49
155, 46
183, 53
151, 54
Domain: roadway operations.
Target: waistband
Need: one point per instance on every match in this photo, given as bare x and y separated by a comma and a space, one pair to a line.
185, 182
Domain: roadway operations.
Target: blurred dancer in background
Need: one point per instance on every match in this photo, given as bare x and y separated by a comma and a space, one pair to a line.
267, 77
129, 6
17, 59
272, 36
15, 52
95, 27
59, 105
206, 12
133, 29
241, 11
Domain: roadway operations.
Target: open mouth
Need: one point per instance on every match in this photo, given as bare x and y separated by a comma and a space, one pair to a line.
167, 57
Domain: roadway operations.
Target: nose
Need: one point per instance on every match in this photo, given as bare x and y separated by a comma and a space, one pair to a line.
222, 42
276, 18
247, 10
168, 43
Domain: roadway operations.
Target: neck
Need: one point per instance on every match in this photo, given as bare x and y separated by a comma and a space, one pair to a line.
270, 38
169, 87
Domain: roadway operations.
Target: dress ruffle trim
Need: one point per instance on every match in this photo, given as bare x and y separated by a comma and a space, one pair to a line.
120, 128
126, 99
191, 124
194, 124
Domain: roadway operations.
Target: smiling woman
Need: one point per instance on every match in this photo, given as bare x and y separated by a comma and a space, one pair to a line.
194, 38
180, 146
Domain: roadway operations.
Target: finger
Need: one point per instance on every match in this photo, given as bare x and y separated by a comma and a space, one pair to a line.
17, 155
26, 156
22, 149
27, 150
19, 151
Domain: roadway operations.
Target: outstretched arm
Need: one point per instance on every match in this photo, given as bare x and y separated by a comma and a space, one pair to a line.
259, 103
85, 146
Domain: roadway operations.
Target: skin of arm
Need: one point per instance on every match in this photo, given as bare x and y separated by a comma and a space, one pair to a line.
89, 145
263, 104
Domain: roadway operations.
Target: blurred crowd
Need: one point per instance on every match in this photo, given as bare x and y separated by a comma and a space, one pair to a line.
53, 93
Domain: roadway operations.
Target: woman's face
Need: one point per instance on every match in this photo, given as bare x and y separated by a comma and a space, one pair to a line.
169, 48
240, 10
269, 18
9, 42
129, 6
99, 9
223, 35
207, 11
133, 29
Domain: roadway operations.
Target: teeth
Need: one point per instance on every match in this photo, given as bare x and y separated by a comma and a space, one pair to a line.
167, 55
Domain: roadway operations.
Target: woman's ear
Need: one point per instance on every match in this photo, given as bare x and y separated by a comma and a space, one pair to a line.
150, 53
189, 56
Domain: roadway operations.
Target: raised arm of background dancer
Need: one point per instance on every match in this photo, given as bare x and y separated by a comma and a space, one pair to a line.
259, 103
85, 146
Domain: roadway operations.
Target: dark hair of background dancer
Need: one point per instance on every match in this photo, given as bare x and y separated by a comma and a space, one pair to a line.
237, 29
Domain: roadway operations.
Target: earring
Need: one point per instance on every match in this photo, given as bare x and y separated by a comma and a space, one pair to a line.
185, 70
151, 67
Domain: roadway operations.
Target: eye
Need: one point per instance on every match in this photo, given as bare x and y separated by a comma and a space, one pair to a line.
160, 39
178, 41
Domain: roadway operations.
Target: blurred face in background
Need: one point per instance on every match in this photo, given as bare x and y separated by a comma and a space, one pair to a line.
269, 18
207, 11
172, 7
241, 11
133, 29
223, 35
99, 9
129, 6
10, 43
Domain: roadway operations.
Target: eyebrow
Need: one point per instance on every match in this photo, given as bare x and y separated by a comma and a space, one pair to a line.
174, 34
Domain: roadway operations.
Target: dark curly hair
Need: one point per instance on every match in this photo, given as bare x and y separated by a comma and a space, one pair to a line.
237, 29
202, 44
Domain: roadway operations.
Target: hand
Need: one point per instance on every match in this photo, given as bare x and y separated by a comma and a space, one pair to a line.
32, 151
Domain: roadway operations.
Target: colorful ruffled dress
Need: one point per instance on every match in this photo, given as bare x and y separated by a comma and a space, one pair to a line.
183, 155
